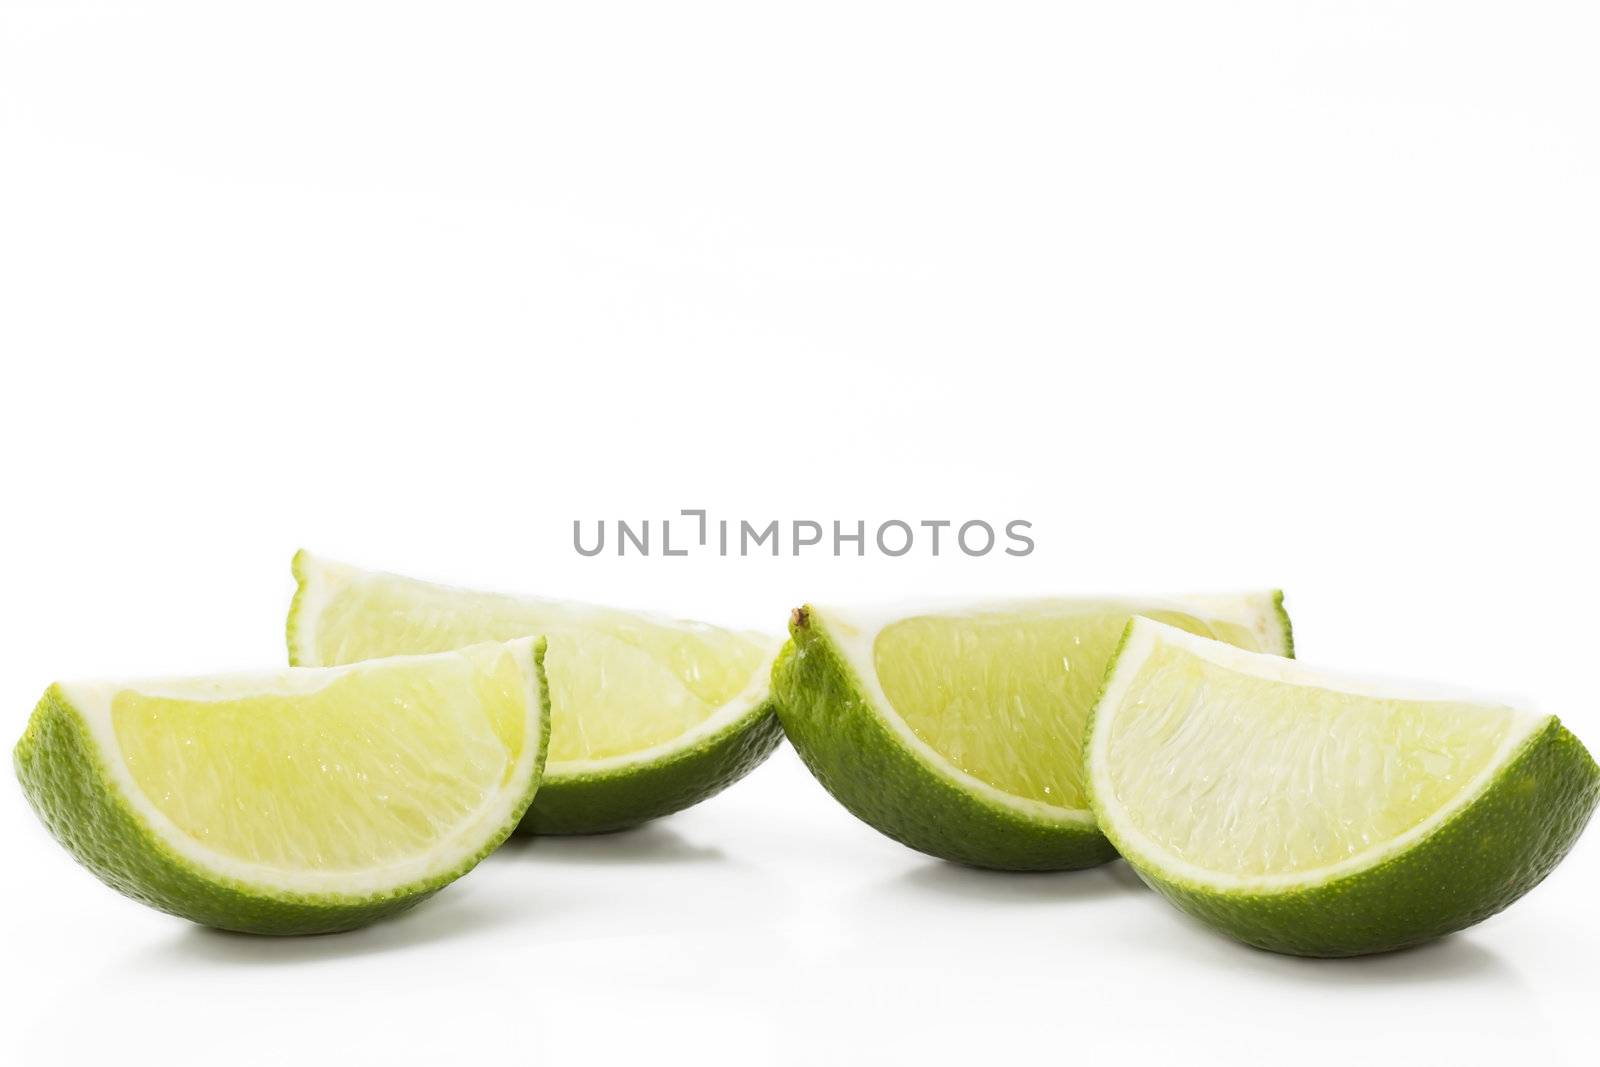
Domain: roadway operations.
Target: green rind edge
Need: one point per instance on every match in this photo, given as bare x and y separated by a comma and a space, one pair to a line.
1283, 622
1479, 861
630, 795
848, 747
65, 779
291, 629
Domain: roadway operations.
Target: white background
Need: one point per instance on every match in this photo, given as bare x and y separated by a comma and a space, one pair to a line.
1218, 296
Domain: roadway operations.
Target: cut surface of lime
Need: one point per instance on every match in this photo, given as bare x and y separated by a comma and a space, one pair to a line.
648, 715
975, 716
1309, 813
298, 801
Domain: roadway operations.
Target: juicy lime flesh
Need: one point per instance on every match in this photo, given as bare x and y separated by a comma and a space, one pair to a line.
372, 767
619, 683
1254, 776
1005, 696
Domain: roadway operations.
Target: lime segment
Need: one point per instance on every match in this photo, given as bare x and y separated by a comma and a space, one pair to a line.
1309, 813
294, 802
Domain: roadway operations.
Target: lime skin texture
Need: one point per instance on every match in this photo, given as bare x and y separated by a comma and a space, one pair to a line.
856, 757
64, 778
1477, 863
1494, 845
626, 797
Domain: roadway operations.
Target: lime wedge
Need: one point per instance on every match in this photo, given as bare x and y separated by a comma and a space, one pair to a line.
1311, 814
648, 715
295, 802
960, 732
